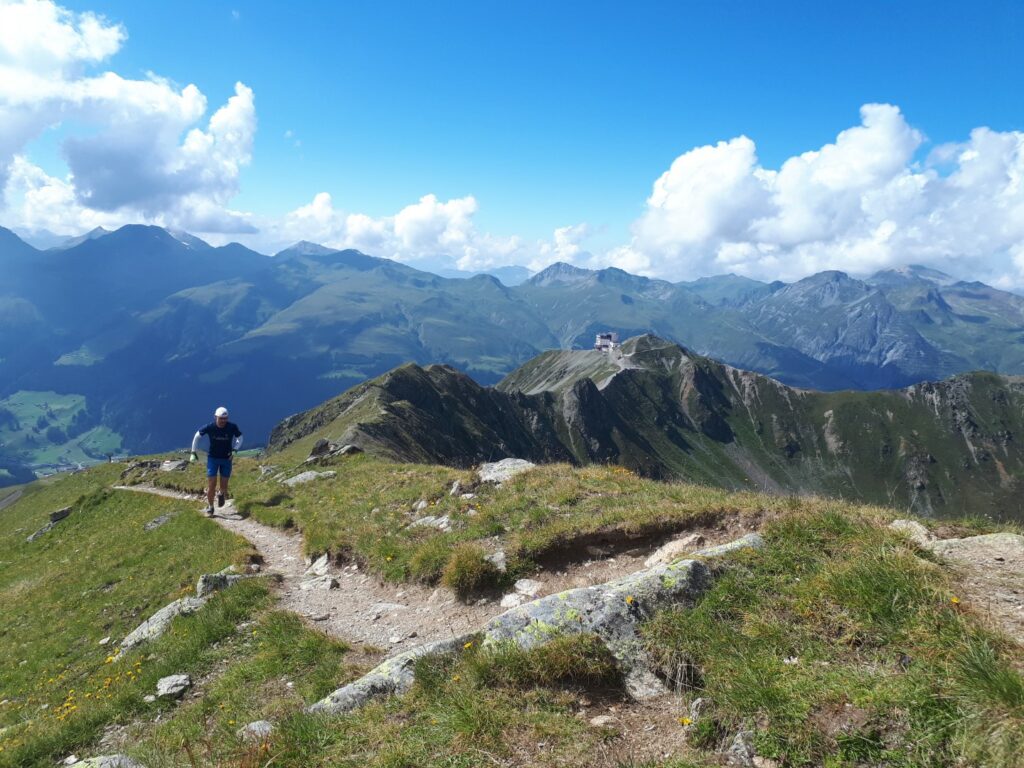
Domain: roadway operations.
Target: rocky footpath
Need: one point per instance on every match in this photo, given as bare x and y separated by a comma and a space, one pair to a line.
612, 611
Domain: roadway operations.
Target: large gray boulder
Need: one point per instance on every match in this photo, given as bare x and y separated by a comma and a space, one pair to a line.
988, 548
612, 611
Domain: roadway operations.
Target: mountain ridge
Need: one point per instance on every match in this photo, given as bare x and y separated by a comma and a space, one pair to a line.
662, 411
113, 319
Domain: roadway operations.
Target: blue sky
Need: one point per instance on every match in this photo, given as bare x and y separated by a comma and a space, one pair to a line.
552, 115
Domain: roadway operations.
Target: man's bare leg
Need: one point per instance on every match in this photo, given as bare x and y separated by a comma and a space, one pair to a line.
223, 488
211, 486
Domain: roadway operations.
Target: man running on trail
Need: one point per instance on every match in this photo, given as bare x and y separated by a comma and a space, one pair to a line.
225, 438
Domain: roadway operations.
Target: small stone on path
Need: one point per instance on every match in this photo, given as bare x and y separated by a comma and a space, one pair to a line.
321, 582
528, 587
512, 600
320, 566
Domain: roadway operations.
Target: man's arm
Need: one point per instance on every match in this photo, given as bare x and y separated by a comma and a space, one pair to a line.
195, 444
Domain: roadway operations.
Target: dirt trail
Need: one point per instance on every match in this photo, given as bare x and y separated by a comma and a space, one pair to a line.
396, 617
362, 609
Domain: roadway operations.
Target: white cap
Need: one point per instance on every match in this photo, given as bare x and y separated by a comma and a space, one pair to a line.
222, 411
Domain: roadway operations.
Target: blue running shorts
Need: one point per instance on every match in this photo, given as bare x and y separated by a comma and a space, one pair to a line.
212, 465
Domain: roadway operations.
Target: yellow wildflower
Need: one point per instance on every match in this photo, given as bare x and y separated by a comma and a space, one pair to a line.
468, 645
630, 600
954, 600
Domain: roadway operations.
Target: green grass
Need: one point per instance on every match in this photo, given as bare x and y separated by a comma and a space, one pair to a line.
98, 574
845, 647
271, 669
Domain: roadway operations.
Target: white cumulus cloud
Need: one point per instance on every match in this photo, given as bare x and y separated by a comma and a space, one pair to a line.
430, 233
859, 204
144, 155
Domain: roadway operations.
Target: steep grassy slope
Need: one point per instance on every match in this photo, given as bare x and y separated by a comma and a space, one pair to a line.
943, 448
98, 574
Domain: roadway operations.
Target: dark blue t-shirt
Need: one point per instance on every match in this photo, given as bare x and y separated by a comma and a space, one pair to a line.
220, 438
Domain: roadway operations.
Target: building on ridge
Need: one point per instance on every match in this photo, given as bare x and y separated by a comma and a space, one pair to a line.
606, 342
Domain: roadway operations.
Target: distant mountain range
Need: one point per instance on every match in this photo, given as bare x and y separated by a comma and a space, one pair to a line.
950, 448
141, 332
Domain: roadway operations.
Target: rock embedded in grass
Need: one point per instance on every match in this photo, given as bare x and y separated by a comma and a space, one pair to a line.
214, 582
441, 523
674, 549
158, 623
498, 560
499, 472
396, 675
308, 476
172, 686
612, 611
258, 730
110, 761
914, 531
156, 522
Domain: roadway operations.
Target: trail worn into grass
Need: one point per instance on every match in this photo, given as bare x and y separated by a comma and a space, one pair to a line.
393, 617
361, 610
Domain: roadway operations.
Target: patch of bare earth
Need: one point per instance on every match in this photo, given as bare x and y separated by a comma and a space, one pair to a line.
990, 570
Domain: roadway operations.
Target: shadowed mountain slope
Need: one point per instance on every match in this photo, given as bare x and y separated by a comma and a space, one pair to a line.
937, 448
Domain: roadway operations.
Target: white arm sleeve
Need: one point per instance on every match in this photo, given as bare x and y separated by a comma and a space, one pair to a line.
195, 441
236, 443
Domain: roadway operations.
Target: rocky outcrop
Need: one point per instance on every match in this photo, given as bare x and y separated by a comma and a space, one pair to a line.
55, 517
308, 476
502, 471
158, 623
612, 611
